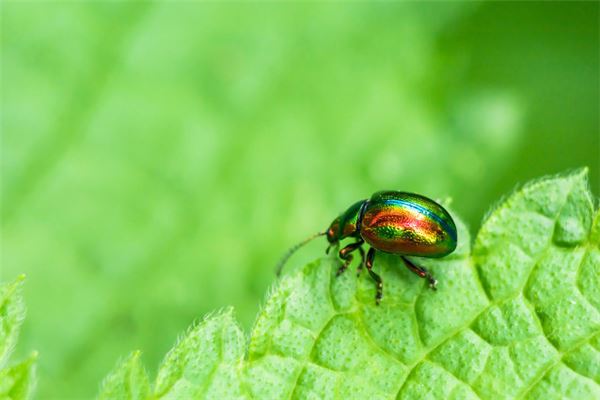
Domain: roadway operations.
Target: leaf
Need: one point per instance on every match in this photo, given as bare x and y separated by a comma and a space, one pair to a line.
16, 381
516, 318
127, 381
206, 363
12, 313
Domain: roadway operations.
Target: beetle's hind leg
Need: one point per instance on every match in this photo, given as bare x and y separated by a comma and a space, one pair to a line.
347, 257
421, 272
376, 278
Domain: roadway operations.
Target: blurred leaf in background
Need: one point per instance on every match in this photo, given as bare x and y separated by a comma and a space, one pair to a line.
157, 158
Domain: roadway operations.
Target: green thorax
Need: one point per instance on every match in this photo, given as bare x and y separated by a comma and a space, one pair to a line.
346, 225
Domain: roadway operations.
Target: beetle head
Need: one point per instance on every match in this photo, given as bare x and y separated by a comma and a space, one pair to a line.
333, 233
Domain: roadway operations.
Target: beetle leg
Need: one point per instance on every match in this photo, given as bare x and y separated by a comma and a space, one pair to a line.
422, 272
376, 278
362, 261
346, 256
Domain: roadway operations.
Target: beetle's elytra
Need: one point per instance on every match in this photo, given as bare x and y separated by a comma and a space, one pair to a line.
406, 224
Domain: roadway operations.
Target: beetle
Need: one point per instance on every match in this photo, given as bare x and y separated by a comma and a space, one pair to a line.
401, 223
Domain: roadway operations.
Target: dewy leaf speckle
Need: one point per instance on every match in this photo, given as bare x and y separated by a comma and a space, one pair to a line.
518, 317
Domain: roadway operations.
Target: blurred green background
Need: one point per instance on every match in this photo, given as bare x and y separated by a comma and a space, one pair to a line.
157, 158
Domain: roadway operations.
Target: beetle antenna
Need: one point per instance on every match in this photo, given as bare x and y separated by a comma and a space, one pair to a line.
293, 249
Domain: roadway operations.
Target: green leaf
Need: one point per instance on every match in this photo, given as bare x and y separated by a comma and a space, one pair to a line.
128, 381
16, 381
12, 313
518, 317
206, 363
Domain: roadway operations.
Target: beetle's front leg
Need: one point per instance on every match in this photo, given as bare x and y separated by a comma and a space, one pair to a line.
347, 257
421, 272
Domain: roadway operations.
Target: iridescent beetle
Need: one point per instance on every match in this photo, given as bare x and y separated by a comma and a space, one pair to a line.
401, 223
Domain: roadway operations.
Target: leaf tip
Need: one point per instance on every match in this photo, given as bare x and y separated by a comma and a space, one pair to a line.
584, 170
580, 173
228, 311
